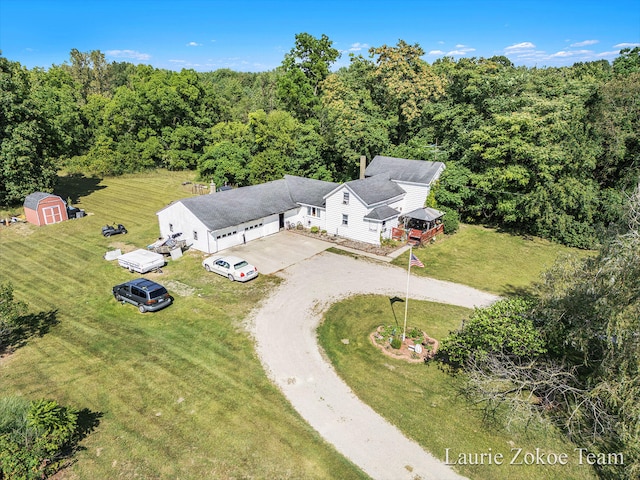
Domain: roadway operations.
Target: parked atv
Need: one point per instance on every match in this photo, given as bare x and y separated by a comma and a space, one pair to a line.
114, 229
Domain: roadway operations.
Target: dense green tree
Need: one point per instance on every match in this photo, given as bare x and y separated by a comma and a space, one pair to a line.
355, 125
405, 85
304, 69
628, 61
91, 71
504, 328
25, 148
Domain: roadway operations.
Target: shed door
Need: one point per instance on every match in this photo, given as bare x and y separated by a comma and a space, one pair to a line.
52, 214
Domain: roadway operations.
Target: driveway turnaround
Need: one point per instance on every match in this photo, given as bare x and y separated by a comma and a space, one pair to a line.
285, 331
276, 252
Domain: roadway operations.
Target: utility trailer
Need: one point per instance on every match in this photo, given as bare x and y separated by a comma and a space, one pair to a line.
141, 261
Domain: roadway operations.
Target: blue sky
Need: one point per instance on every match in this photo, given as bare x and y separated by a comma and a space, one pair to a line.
247, 35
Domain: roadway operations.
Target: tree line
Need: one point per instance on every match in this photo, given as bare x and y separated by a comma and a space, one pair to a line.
543, 151
566, 355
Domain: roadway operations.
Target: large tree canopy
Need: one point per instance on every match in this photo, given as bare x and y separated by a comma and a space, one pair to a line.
543, 151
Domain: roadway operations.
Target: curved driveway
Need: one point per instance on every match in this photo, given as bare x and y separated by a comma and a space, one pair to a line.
285, 331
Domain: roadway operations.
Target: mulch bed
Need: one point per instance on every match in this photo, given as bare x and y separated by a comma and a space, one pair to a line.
407, 350
381, 250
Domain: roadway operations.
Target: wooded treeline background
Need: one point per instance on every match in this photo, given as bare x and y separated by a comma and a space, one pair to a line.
544, 151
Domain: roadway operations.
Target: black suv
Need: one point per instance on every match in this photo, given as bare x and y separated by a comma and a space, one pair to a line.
148, 296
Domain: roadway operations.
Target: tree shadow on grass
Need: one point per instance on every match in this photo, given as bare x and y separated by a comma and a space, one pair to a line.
88, 421
509, 290
29, 326
76, 186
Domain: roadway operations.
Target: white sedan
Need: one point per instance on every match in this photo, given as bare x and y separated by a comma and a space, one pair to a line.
234, 268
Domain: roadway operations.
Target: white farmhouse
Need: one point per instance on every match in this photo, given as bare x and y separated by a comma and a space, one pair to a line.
365, 209
223, 219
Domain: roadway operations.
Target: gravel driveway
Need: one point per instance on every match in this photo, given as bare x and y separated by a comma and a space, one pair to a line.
285, 331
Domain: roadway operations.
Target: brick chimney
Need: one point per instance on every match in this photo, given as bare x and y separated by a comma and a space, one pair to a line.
363, 166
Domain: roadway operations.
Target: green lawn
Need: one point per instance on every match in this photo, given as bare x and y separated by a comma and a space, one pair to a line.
423, 401
483, 258
179, 393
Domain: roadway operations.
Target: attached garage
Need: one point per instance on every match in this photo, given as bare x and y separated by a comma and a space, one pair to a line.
44, 208
222, 220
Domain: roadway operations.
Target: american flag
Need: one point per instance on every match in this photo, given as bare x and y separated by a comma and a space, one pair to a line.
415, 261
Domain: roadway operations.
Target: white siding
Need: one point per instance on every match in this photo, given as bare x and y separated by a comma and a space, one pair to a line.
176, 218
310, 220
357, 228
416, 196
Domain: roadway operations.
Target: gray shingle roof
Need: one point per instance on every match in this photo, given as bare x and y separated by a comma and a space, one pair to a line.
383, 212
239, 205
32, 200
402, 169
308, 190
428, 214
375, 189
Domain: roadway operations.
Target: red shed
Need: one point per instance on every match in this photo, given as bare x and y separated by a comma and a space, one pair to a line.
44, 208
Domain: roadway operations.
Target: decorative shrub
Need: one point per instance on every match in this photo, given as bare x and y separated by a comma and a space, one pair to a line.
451, 220
315, 229
396, 343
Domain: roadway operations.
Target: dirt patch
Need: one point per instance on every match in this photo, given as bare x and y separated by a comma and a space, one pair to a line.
21, 228
411, 350
180, 288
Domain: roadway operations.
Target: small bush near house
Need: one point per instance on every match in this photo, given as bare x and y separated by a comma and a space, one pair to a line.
314, 229
451, 220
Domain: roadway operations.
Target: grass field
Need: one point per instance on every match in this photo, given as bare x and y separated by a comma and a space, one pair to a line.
423, 401
480, 257
179, 393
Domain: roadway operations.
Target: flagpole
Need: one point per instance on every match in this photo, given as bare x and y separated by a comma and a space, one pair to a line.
406, 303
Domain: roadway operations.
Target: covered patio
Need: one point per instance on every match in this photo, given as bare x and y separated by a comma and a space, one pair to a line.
419, 226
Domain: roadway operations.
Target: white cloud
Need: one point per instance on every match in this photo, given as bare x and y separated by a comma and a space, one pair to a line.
127, 54
626, 45
356, 47
436, 52
461, 51
194, 44
519, 47
585, 43
608, 54
570, 53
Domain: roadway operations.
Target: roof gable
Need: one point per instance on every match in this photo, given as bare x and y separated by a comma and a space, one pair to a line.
33, 199
404, 170
383, 212
375, 190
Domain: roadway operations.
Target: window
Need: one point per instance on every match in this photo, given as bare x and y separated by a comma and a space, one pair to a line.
312, 212
171, 227
195, 235
345, 220
345, 198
